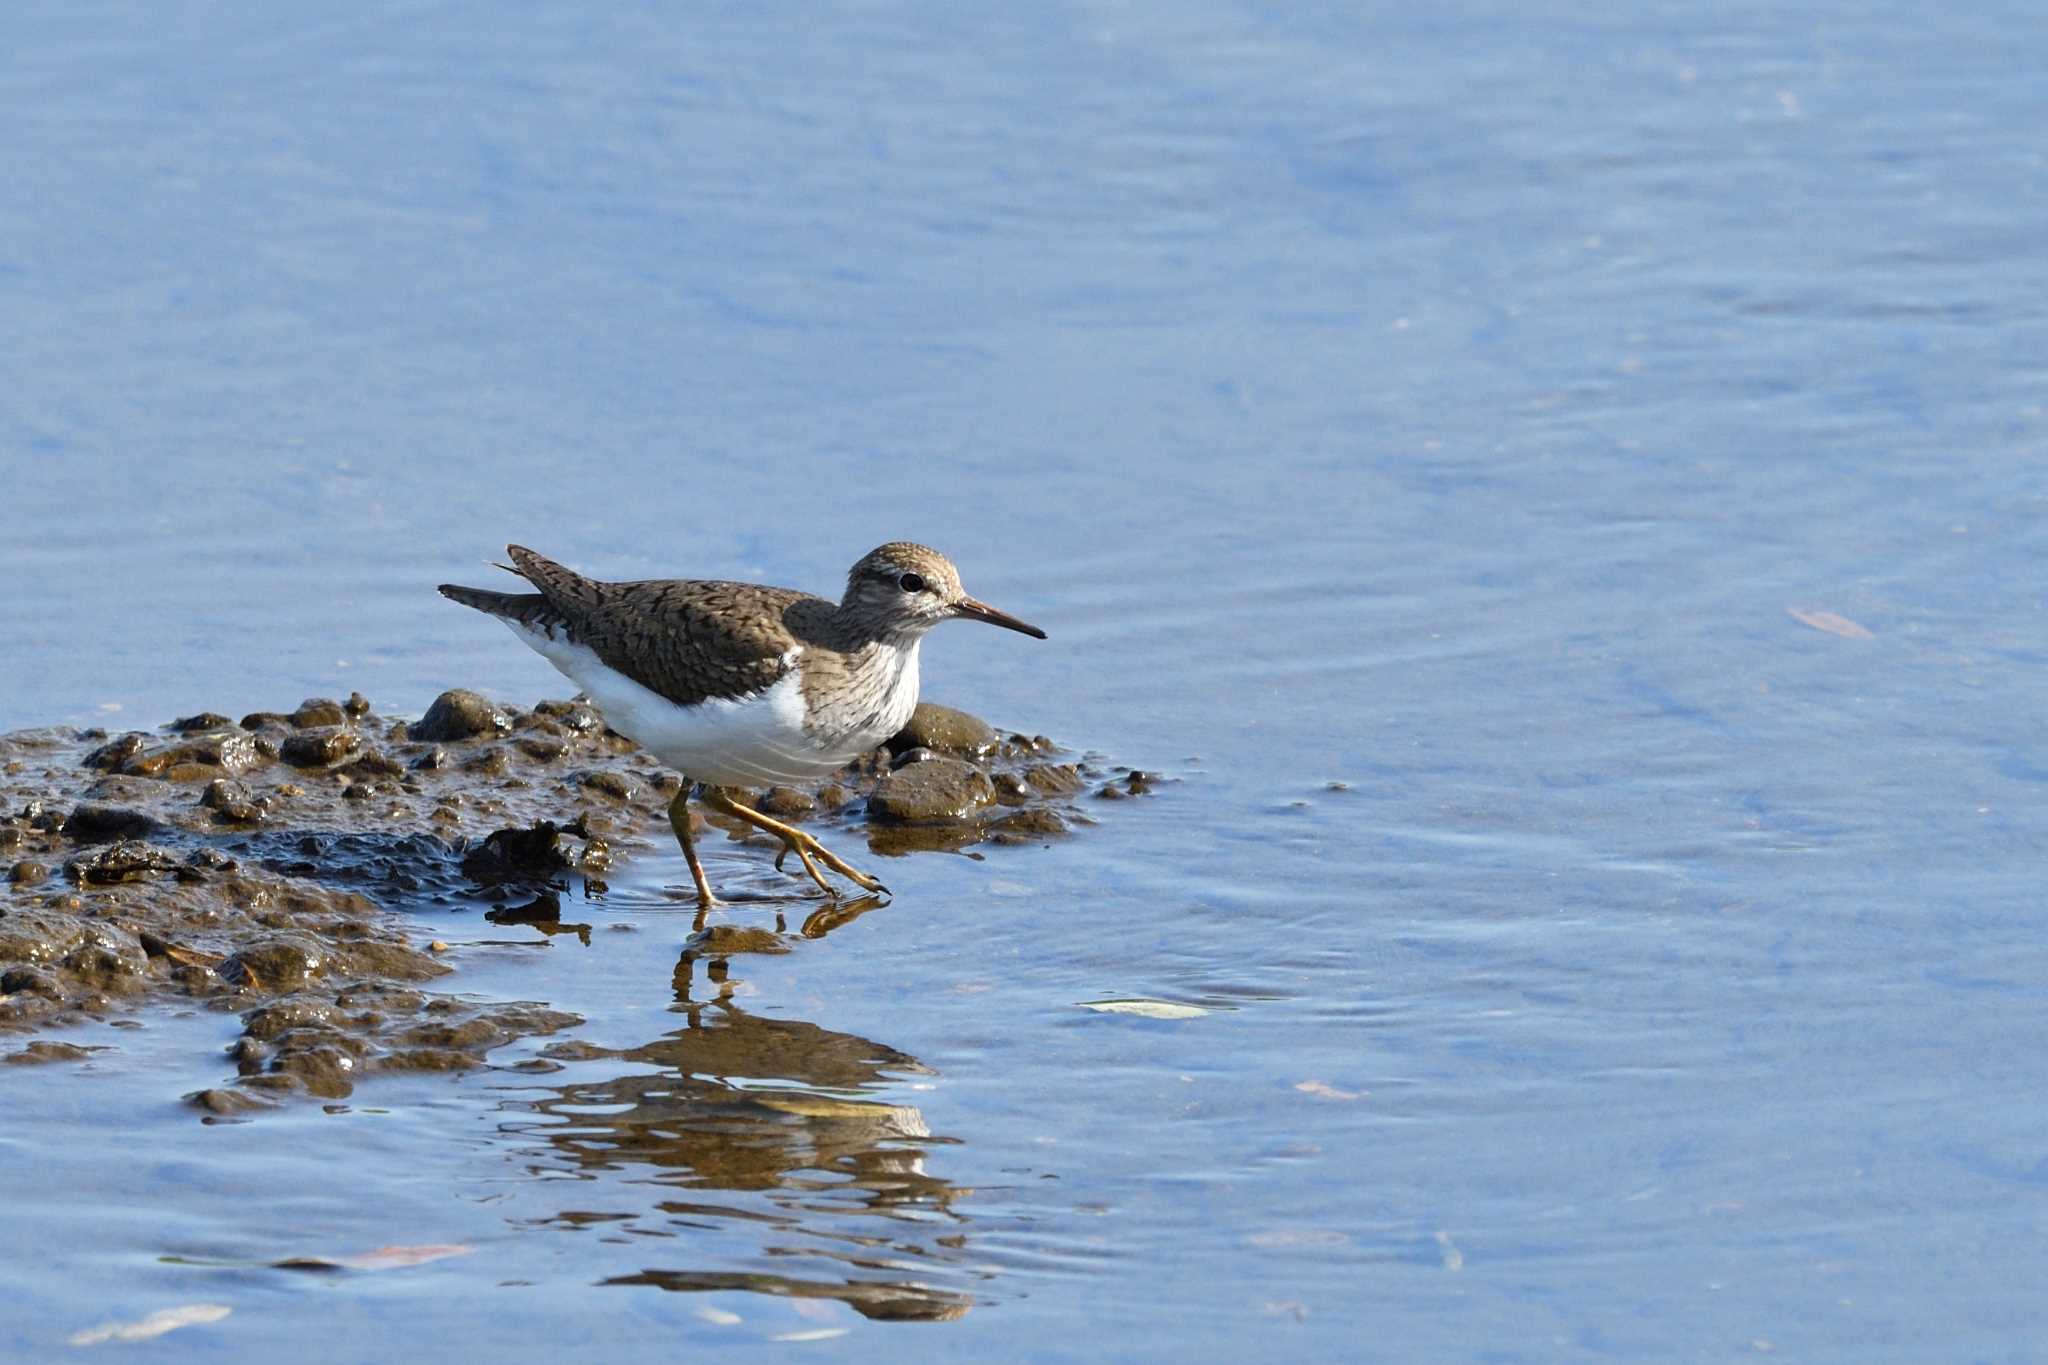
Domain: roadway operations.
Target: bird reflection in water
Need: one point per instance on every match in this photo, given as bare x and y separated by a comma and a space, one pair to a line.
772, 1112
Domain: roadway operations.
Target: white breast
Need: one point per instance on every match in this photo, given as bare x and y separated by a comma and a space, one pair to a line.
749, 742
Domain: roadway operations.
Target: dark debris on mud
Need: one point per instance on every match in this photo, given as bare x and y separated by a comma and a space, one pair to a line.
277, 867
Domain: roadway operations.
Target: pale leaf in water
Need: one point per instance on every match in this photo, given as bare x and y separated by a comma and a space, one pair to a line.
155, 1325
383, 1258
720, 1317
1831, 623
1150, 1009
815, 1334
1323, 1090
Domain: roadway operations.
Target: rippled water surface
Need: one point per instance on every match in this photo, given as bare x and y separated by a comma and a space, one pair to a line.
1560, 496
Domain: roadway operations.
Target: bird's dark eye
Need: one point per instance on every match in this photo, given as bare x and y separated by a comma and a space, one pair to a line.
911, 582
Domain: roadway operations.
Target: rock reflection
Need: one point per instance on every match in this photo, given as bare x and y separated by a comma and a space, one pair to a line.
777, 1112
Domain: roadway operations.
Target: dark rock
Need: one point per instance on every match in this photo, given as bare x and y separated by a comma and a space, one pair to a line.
932, 726
224, 1101
274, 1021
27, 981
317, 713
612, 784
28, 872
1033, 824
42, 815
325, 748
357, 704
115, 753
205, 720
107, 963
578, 716
91, 824
433, 760
377, 765
128, 861
203, 758
787, 803
232, 803
1053, 779
460, 714
45, 1050
326, 1071
942, 789
266, 720
279, 964
516, 855
542, 749
10, 838
910, 756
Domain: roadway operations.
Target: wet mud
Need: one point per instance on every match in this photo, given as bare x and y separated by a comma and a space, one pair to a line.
297, 869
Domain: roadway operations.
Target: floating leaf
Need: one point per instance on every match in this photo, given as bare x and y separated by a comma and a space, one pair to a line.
815, 1334
720, 1317
1150, 1009
1325, 1091
1831, 623
383, 1258
155, 1325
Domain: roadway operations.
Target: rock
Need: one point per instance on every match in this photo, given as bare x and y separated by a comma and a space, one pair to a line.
28, 872
787, 803
266, 720
27, 981
542, 749
273, 1021
578, 716
128, 861
279, 964
616, 785
942, 789
92, 824
1053, 779
236, 809
460, 714
357, 704
944, 729
324, 748
1031, 824
205, 720
115, 753
317, 713
223, 1101
44, 1050
516, 855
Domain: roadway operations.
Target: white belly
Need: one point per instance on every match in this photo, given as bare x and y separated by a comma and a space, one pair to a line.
726, 743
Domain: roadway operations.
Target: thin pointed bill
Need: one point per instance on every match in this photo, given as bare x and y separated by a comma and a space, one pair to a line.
982, 611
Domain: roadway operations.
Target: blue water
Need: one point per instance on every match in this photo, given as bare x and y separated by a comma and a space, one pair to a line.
1453, 405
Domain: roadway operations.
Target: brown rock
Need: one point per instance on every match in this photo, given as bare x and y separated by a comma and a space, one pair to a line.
945, 730
937, 791
460, 714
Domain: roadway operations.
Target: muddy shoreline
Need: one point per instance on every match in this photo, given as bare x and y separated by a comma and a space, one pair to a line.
288, 867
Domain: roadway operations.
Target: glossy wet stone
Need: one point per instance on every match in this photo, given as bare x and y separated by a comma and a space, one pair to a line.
939, 790
460, 714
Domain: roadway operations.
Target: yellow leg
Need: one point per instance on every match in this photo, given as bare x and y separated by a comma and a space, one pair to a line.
679, 821
804, 846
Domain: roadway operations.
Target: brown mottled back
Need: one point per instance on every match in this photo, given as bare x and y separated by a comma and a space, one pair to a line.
688, 640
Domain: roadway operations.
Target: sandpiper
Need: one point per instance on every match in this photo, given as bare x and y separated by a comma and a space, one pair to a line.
740, 684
